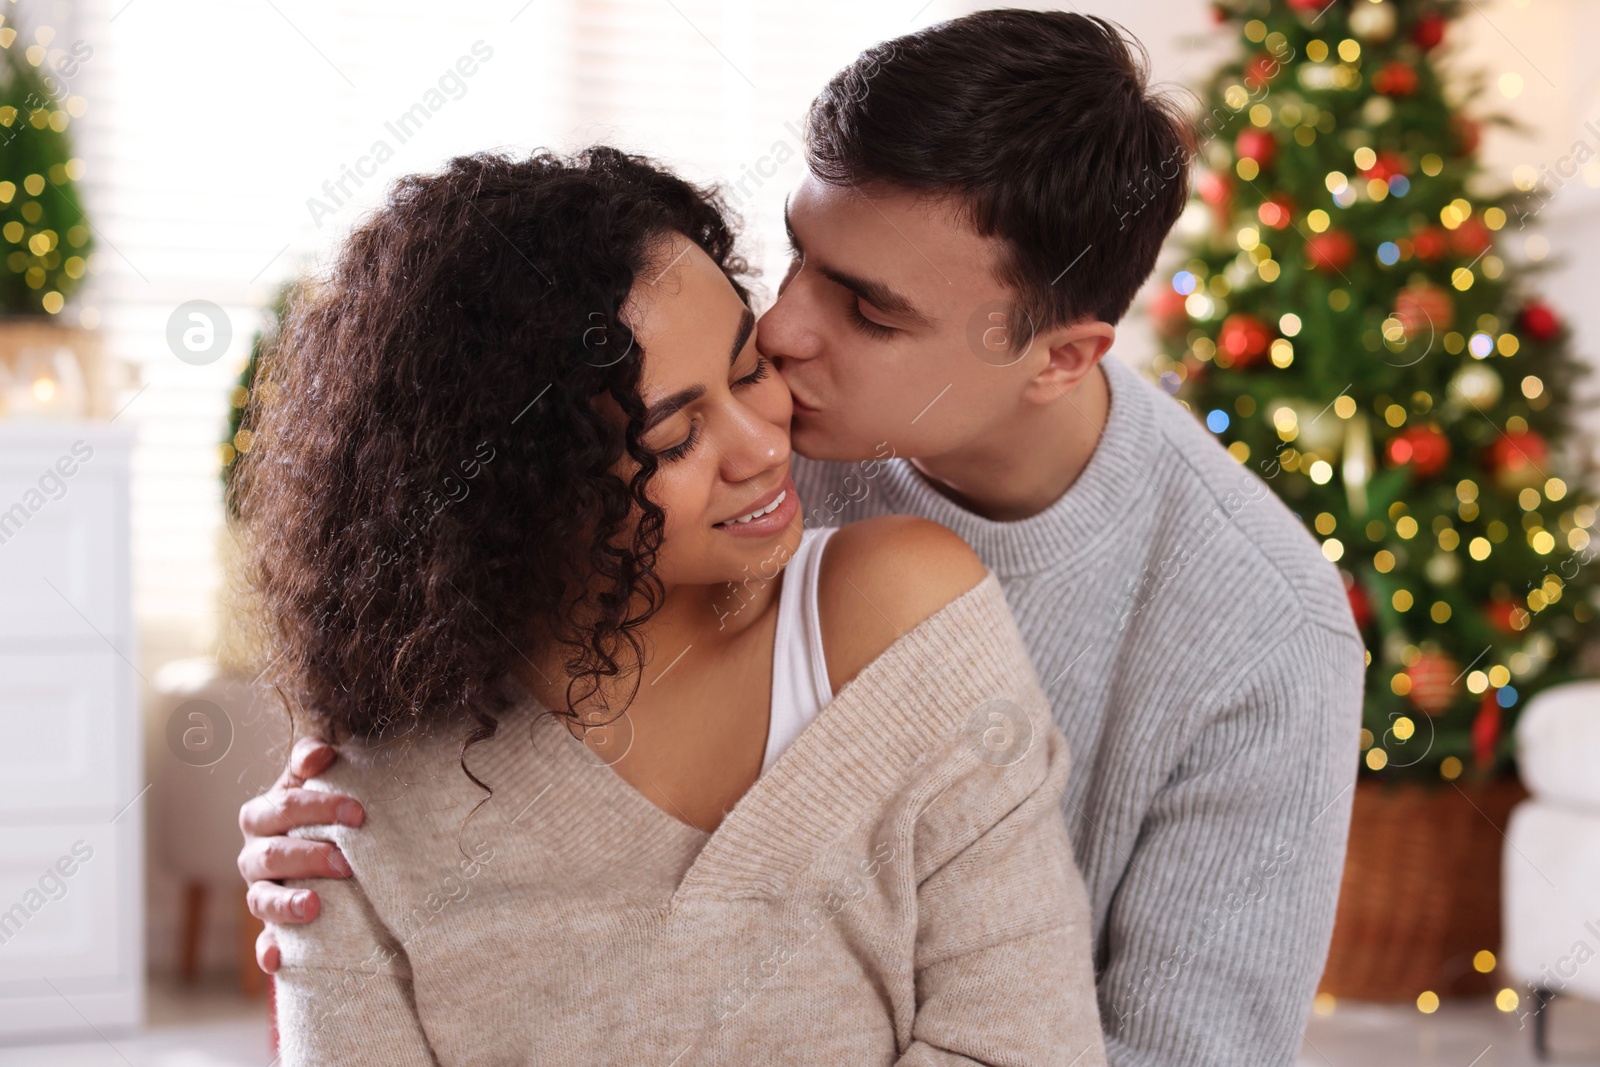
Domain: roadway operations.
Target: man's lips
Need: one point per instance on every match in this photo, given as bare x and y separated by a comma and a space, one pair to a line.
798, 401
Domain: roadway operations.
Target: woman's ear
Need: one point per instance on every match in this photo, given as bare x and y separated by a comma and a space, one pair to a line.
1071, 353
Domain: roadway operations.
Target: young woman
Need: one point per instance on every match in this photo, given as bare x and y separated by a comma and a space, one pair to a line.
651, 773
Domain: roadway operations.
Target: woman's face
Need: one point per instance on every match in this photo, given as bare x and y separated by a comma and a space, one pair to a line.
718, 422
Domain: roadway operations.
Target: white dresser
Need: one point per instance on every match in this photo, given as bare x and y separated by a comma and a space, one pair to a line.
71, 809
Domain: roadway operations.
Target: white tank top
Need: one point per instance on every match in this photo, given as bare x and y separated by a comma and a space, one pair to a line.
800, 686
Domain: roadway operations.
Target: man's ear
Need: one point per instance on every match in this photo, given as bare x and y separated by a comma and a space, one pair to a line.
1070, 353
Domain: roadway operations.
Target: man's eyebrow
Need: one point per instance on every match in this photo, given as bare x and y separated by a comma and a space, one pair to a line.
684, 397
877, 294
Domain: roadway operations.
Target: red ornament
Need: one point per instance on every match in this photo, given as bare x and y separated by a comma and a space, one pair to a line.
1168, 311
1486, 730
1386, 166
1423, 308
1258, 145
1219, 14
1276, 211
1306, 5
1395, 79
1216, 189
1425, 448
1360, 603
1538, 321
1261, 69
1244, 338
1431, 242
1518, 458
1428, 31
1331, 251
1468, 133
1506, 615
1433, 682
1472, 238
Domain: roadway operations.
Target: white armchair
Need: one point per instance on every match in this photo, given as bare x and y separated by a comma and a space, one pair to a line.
1551, 868
223, 742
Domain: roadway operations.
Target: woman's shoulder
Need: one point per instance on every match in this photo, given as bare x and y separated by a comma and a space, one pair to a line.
421, 768
882, 576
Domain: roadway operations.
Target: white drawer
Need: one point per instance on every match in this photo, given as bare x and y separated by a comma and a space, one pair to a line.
62, 545
60, 925
65, 718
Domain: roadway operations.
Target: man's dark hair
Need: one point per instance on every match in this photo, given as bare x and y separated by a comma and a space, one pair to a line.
1041, 122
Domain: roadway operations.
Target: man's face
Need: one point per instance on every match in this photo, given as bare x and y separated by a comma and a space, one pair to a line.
890, 326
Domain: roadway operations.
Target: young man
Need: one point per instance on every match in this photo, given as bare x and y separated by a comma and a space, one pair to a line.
984, 199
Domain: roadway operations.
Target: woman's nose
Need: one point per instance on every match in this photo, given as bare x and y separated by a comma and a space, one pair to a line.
759, 446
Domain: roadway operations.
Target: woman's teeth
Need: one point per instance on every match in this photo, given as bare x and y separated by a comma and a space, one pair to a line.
742, 519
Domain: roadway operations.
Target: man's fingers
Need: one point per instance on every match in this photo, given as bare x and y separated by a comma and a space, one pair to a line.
267, 957
310, 758
307, 759
276, 858
274, 903
277, 810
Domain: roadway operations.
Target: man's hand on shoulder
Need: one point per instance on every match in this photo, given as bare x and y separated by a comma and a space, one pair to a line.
881, 577
269, 855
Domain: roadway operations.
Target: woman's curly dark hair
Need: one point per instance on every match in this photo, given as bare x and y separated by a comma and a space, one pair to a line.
429, 482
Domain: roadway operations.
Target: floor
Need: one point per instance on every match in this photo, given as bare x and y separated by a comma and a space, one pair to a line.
188, 1028
1468, 1033
215, 1029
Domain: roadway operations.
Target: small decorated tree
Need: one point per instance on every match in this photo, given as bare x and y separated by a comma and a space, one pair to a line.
238, 437
1353, 325
43, 233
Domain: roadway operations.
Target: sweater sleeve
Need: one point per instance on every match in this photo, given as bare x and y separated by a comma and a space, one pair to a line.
1217, 936
344, 992
1003, 962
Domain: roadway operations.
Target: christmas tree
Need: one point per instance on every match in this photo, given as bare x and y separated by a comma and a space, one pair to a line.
239, 437
1351, 324
46, 238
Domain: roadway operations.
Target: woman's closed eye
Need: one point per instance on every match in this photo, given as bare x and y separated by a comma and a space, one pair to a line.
756, 375
684, 447
678, 451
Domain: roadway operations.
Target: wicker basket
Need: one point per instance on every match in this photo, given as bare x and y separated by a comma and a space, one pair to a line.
1421, 890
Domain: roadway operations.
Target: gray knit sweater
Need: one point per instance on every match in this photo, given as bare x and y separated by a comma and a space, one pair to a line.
1203, 663
897, 888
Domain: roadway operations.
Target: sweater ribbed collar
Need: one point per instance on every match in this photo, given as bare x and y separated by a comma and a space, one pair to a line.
1115, 477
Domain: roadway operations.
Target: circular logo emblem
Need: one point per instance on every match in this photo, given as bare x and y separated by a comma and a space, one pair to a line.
198, 332
199, 733
597, 343
999, 732
990, 335
605, 744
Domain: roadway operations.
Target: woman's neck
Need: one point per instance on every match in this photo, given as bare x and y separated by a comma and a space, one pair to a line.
697, 625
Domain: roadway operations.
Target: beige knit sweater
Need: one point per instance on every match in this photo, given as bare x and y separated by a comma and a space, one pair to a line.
898, 888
